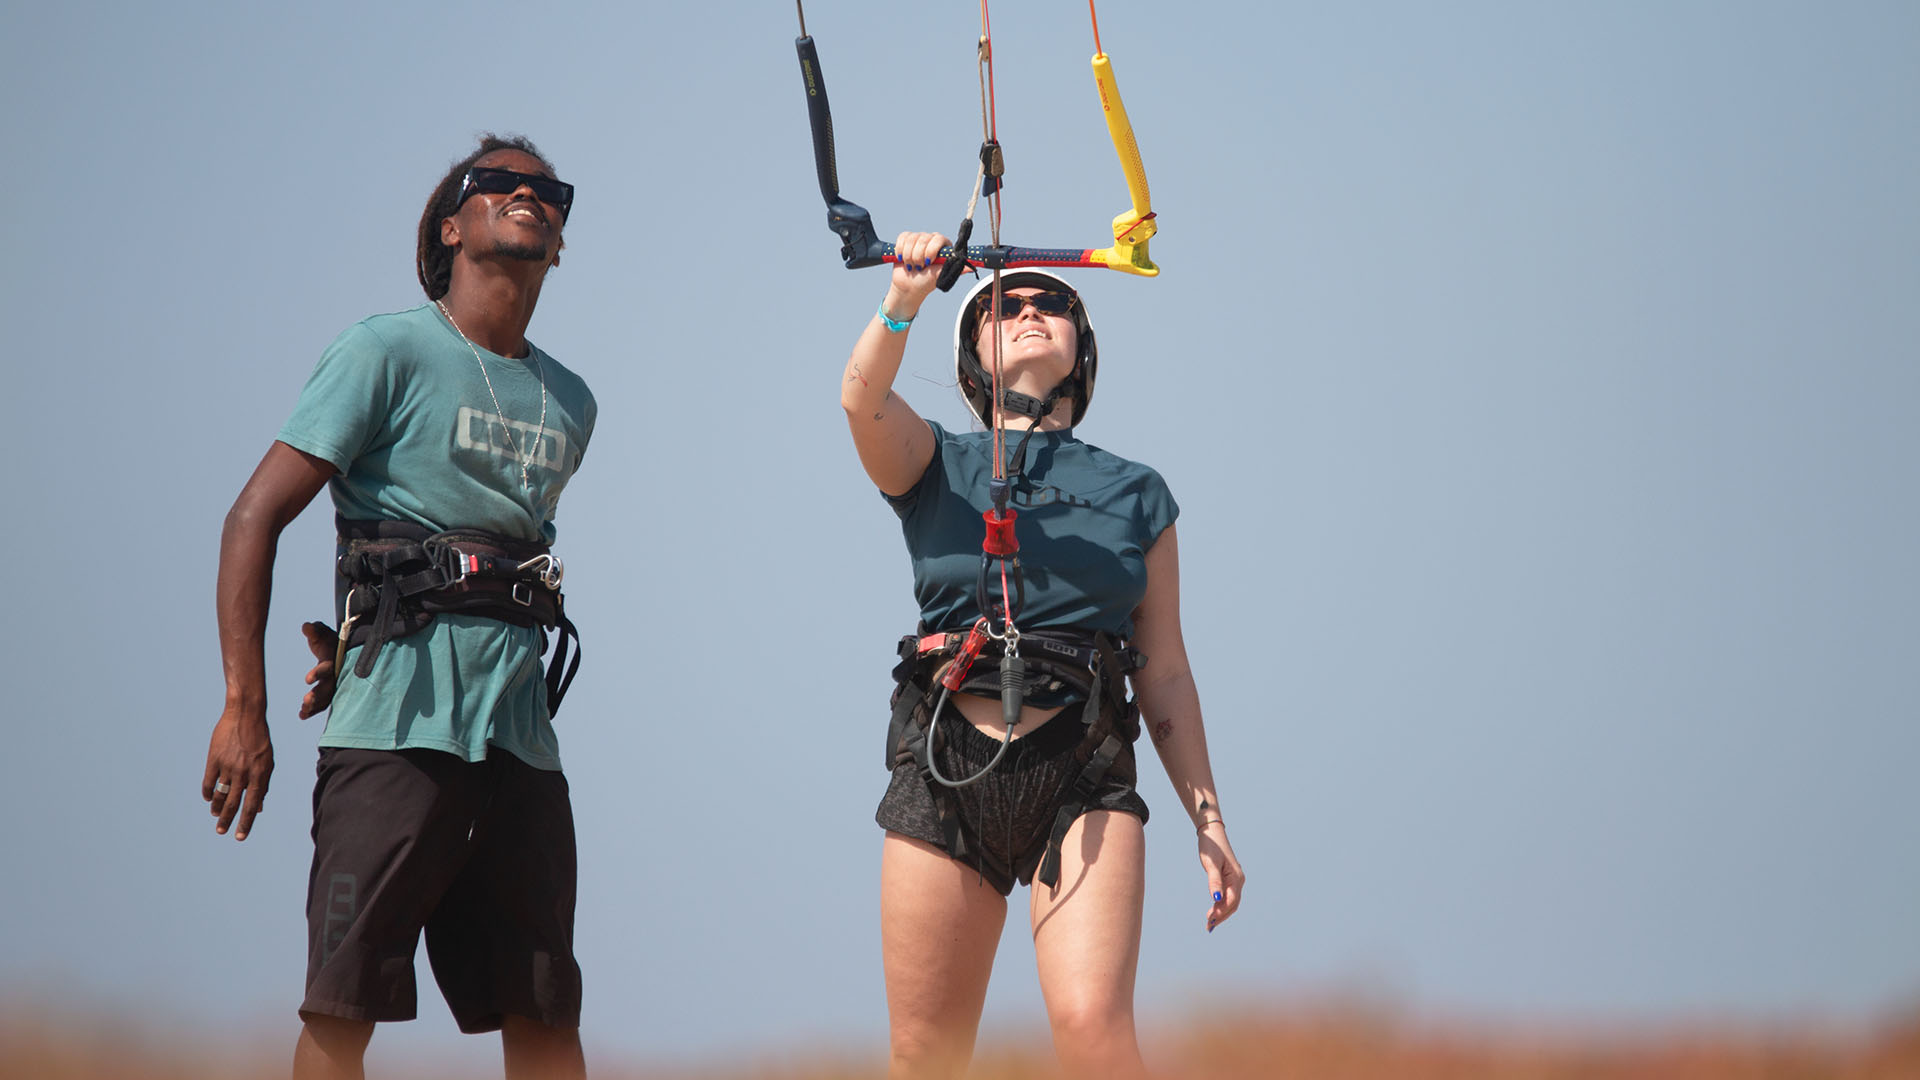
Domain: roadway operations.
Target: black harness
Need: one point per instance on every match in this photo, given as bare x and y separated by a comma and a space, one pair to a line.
1095, 665
400, 575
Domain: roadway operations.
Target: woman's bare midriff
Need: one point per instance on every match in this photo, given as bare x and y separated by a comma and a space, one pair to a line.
984, 713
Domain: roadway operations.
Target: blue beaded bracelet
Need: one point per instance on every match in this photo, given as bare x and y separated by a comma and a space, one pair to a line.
894, 326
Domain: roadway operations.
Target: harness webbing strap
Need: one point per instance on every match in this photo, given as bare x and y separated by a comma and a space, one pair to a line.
902, 734
557, 683
1084, 787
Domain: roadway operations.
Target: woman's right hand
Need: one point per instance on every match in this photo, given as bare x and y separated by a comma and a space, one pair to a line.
915, 275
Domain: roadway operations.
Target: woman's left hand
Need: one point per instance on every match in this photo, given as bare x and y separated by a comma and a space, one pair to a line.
1225, 878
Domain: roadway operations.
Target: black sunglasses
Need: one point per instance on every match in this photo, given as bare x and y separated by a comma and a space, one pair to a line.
484, 181
1046, 303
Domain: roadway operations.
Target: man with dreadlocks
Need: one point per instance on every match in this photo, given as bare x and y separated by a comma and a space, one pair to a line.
446, 438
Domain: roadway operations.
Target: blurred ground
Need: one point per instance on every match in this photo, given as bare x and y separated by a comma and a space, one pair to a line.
1336, 1043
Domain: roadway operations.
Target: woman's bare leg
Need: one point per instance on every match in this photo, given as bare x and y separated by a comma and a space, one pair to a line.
939, 927
1086, 943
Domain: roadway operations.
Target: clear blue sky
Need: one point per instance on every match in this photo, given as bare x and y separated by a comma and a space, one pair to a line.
1539, 384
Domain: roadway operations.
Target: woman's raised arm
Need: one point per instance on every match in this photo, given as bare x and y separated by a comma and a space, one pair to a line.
895, 445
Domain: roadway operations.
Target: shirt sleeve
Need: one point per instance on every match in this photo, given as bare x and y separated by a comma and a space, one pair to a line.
592, 417
343, 409
1158, 509
904, 503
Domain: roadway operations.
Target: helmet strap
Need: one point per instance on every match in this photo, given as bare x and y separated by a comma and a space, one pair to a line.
1019, 404
1036, 409
1033, 408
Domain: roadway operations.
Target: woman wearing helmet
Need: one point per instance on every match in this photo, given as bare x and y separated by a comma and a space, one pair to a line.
990, 785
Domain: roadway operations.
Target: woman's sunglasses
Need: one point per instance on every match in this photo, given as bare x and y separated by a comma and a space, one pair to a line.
484, 181
1046, 303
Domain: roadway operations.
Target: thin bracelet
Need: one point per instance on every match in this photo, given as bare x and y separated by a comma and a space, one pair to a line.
1202, 827
894, 326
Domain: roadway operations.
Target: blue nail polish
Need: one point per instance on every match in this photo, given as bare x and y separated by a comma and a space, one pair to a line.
1216, 898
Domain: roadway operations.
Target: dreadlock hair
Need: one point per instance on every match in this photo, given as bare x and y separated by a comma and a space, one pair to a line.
433, 260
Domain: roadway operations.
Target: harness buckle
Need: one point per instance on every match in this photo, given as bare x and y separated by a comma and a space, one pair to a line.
549, 569
522, 594
459, 565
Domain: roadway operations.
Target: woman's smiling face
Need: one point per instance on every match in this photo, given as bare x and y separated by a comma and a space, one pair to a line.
1030, 342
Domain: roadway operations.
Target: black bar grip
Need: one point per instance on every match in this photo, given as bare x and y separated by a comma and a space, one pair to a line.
994, 258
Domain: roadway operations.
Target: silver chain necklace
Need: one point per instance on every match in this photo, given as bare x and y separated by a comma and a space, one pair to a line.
540, 439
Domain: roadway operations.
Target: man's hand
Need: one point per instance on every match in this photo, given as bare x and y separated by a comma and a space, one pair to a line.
239, 764
324, 642
240, 754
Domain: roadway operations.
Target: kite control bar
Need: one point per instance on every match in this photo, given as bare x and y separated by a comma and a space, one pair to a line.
861, 246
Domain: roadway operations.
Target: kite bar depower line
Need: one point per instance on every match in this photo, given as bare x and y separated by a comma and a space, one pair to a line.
860, 244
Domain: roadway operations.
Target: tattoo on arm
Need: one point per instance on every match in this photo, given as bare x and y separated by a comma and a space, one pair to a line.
1205, 806
882, 412
853, 373
1161, 730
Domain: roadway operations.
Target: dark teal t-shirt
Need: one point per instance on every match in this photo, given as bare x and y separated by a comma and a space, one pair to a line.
399, 406
1087, 518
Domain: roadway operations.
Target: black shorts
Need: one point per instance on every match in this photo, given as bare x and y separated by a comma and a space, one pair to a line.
478, 854
1007, 817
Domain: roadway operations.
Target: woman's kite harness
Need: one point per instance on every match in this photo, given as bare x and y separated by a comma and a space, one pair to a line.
1093, 665
400, 575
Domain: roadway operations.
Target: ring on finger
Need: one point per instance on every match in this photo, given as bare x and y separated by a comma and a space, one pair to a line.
220, 787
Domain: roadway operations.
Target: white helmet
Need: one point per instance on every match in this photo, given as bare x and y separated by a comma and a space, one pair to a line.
973, 378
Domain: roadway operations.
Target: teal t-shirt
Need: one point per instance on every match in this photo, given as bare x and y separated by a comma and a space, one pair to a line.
1086, 520
399, 406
